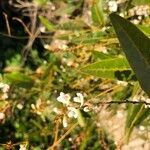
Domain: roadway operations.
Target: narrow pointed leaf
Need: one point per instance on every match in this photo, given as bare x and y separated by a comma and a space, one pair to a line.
136, 47
47, 24
107, 68
97, 12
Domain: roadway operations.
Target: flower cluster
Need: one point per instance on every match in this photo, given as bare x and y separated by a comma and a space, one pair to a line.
5, 89
71, 111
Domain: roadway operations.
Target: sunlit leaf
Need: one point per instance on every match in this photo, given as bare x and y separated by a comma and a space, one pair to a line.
98, 15
107, 68
47, 24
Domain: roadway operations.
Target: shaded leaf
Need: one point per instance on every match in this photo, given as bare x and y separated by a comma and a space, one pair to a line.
107, 68
136, 47
18, 79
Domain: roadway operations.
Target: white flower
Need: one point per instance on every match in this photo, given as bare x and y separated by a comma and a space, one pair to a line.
20, 106
72, 112
4, 87
64, 98
112, 6
65, 123
2, 115
123, 83
142, 128
147, 101
79, 99
22, 147
4, 96
56, 110
42, 29
86, 109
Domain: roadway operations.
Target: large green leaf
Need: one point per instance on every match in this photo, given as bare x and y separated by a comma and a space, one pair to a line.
136, 47
107, 68
98, 15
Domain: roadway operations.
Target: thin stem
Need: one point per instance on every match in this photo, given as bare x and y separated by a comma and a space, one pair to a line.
63, 137
124, 102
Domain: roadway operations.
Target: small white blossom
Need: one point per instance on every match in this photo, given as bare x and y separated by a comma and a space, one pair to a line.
86, 109
47, 46
19, 106
142, 128
33, 106
79, 99
64, 98
65, 123
147, 101
22, 147
72, 112
2, 115
56, 110
112, 6
42, 29
5, 87
4, 96
123, 83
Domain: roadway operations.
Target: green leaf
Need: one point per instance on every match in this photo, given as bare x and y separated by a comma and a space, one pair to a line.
81, 119
18, 79
88, 38
145, 29
98, 15
136, 47
71, 25
101, 55
107, 68
47, 24
135, 115
141, 2
40, 2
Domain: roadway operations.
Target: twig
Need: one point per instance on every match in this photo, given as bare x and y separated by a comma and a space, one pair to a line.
23, 24
7, 24
67, 133
124, 102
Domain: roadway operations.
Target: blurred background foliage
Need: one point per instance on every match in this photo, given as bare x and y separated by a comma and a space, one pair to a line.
51, 46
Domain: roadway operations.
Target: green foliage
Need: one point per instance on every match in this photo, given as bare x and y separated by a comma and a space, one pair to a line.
136, 114
140, 2
45, 100
136, 47
18, 79
107, 68
98, 15
46, 23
